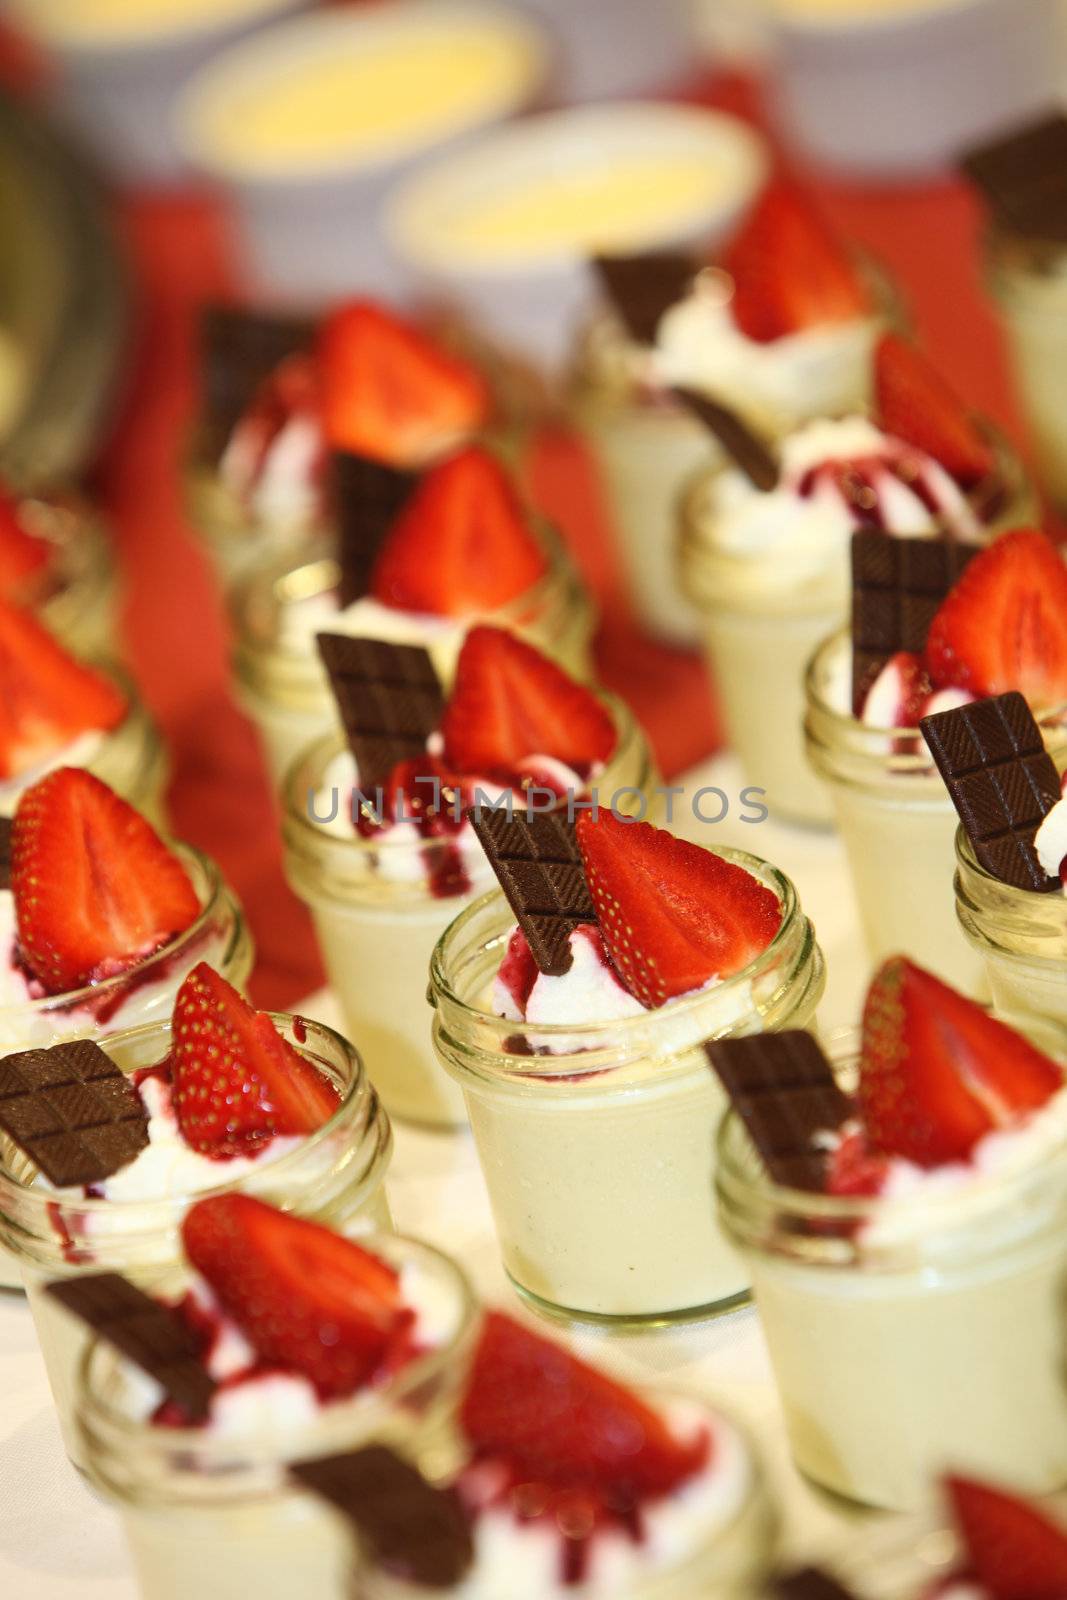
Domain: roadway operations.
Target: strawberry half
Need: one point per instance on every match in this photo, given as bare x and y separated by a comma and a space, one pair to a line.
236, 1082
937, 1073
556, 1421
95, 887
306, 1298
390, 392
914, 403
462, 543
22, 556
789, 271
1004, 625
672, 915
510, 702
47, 698
1015, 1551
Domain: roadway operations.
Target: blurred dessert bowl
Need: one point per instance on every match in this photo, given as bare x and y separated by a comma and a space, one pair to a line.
901, 1210
55, 560
221, 1100
766, 559
377, 838
576, 1038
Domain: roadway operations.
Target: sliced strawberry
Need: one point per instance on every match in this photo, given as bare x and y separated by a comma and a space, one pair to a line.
95, 887
22, 556
47, 698
856, 1169
899, 695
391, 392
1004, 625
672, 915
557, 1421
914, 403
462, 543
1015, 1551
510, 702
237, 1083
937, 1073
304, 1297
789, 271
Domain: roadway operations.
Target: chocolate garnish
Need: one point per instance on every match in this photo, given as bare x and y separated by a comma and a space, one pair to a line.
417, 1532
389, 699
643, 288
746, 449
784, 1090
1002, 780
1024, 179
153, 1336
71, 1110
810, 1583
897, 587
539, 865
240, 350
368, 496
5, 852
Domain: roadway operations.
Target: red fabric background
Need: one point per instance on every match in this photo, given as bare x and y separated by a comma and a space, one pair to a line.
175, 631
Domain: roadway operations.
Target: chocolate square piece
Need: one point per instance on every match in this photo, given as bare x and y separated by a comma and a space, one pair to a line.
420, 1533
897, 587
1002, 781
70, 1109
784, 1090
643, 288
5, 852
746, 449
1024, 179
539, 865
389, 699
810, 1584
368, 496
240, 350
151, 1335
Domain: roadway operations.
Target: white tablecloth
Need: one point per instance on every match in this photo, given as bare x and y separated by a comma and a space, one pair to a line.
58, 1542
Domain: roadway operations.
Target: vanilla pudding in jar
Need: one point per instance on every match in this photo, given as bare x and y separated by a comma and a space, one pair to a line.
891, 1288
593, 1114
214, 1508
1019, 936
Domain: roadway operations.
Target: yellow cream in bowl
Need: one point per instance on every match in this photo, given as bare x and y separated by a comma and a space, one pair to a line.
116, 22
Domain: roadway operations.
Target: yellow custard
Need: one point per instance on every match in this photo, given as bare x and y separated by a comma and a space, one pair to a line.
104, 22
363, 89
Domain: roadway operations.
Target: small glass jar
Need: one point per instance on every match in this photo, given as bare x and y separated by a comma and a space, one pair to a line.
1028, 282
378, 919
75, 593
728, 1560
912, 1335
280, 679
1019, 935
217, 1516
130, 758
335, 1175
762, 628
896, 820
598, 1156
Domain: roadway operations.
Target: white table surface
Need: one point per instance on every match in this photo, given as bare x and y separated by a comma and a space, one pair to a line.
57, 1541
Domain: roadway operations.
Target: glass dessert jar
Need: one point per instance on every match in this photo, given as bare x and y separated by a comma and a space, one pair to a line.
723, 1545
281, 682
896, 820
596, 1140
763, 620
887, 1318
75, 592
214, 1513
334, 1175
1028, 282
381, 904
1020, 937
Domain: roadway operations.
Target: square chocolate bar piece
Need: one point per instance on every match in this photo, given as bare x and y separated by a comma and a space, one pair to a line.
537, 860
389, 699
897, 588
784, 1090
72, 1112
1024, 179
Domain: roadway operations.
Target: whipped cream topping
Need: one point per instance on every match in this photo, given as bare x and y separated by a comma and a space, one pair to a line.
1050, 841
79, 752
818, 372
886, 704
522, 1559
836, 477
281, 483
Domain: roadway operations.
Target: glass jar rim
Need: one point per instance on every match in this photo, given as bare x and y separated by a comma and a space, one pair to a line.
575, 1062
358, 1090
217, 894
